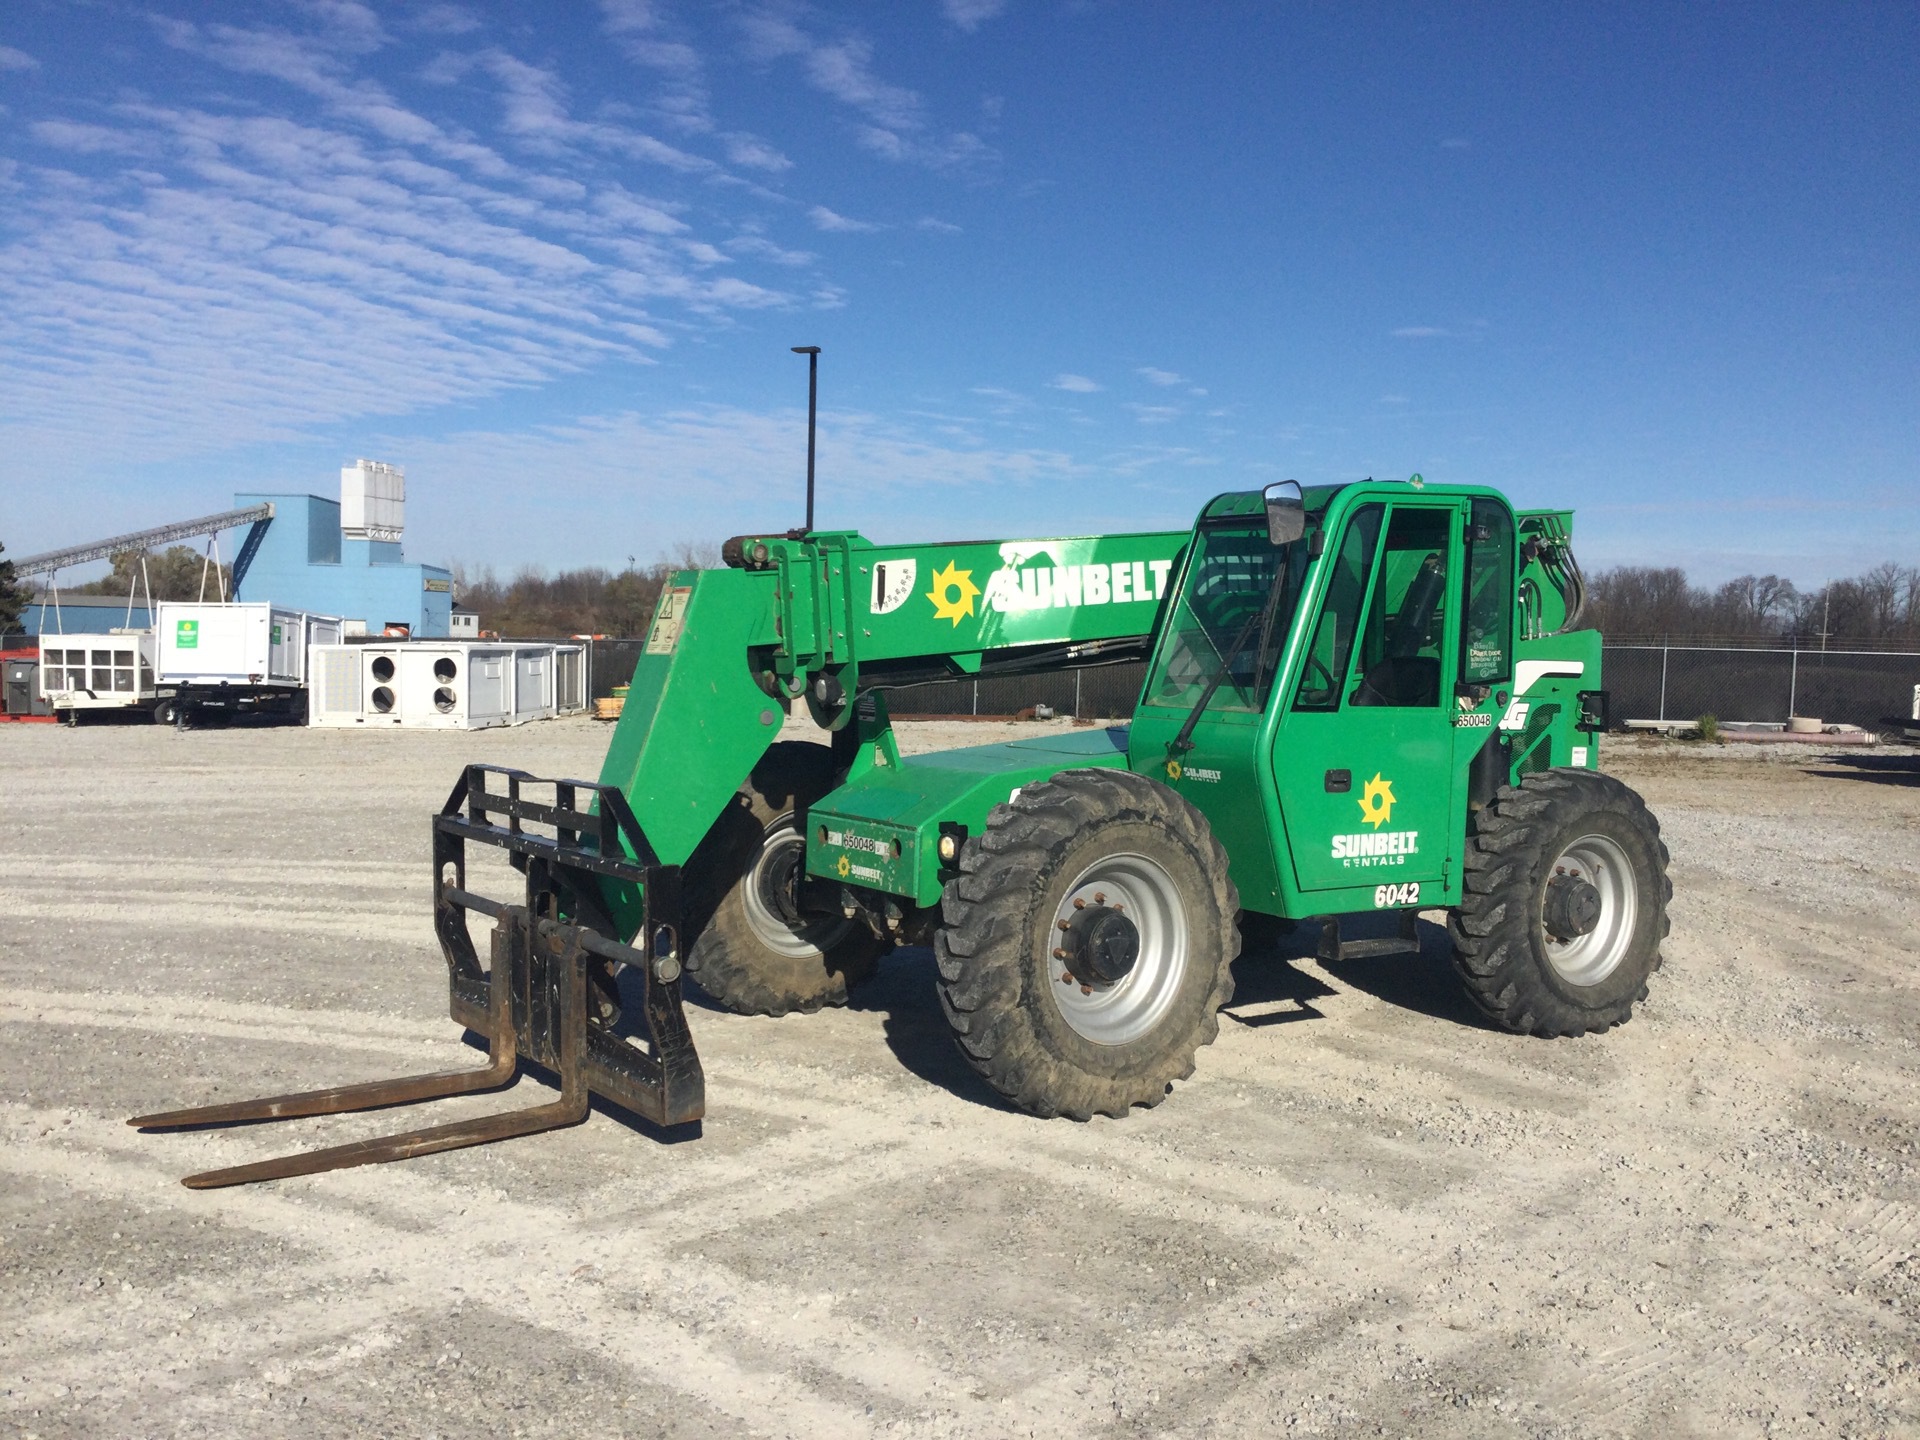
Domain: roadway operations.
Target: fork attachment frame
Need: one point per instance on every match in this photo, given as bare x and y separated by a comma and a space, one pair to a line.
548, 993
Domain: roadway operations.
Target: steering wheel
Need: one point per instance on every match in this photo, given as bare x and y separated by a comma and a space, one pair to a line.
1314, 671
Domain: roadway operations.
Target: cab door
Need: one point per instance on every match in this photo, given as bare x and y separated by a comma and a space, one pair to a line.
1364, 753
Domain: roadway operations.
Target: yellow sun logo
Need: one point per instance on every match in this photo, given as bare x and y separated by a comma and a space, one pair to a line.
953, 593
844, 866
1376, 801
1173, 770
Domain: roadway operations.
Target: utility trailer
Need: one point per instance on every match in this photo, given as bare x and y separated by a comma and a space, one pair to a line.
1358, 698
109, 673
444, 685
227, 660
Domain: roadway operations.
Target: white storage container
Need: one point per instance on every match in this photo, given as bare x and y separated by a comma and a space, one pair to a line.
241, 644
98, 672
439, 685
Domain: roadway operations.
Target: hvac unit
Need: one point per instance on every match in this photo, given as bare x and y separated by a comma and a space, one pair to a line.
98, 672
443, 686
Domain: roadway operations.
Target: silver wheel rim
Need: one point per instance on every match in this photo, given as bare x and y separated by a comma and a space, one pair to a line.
1588, 959
769, 926
1127, 1008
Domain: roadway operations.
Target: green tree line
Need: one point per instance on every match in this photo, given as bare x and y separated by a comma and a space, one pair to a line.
176, 573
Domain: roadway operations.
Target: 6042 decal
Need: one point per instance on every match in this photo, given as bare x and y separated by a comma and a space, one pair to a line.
1407, 894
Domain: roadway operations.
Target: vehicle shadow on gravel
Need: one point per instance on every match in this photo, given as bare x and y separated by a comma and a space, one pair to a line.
1879, 769
1425, 984
1270, 988
902, 994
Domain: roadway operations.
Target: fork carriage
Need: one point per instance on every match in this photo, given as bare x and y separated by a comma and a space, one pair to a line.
548, 994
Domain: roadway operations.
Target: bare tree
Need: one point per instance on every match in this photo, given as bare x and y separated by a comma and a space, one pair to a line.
1754, 605
590, 601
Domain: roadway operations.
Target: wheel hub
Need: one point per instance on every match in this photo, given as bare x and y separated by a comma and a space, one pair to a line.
777, 894
1571, 906
1101, 945
1118, 949
777, 877
1589, 910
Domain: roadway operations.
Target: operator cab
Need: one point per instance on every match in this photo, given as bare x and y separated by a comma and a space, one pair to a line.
1321, 699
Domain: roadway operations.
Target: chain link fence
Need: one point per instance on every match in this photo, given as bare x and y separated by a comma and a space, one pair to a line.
1683, 682
1647, 682
1105, 692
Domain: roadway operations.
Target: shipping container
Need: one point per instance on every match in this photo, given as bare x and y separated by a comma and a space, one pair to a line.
239, 644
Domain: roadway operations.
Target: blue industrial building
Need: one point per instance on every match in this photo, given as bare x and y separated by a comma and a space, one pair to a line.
328, 557
307, 558
83, 615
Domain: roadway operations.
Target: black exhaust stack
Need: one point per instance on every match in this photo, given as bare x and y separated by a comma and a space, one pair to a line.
812, 352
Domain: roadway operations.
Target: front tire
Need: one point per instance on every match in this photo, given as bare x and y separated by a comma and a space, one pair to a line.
1087, 943
1564, 906
756, 951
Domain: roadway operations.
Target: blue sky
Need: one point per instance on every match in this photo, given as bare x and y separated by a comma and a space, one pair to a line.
1075, 266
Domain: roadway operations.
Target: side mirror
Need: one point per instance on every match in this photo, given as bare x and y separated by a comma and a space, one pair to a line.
1286, 514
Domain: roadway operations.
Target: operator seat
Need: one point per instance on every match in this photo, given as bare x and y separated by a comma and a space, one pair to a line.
1403, 676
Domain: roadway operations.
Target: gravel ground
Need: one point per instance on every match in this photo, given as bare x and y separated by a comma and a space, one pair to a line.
1366, 1214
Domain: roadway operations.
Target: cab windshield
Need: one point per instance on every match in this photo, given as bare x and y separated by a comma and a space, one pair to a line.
1234, 610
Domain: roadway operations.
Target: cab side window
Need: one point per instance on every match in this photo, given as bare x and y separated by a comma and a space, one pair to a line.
1486, 646
1400, 648
1326, 662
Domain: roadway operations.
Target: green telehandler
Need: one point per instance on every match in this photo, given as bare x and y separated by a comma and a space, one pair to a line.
1365, 697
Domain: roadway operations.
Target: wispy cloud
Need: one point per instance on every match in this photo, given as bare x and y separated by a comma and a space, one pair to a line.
825, 219
720, 459
446, 20
1156, 376
893, 122
1077, 384
233, 277
1155, 414
1420, 332
970, 15
12, 59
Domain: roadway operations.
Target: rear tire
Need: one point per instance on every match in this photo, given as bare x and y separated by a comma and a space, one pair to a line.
1564, 904
166, 712
1089, 853
753, 951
